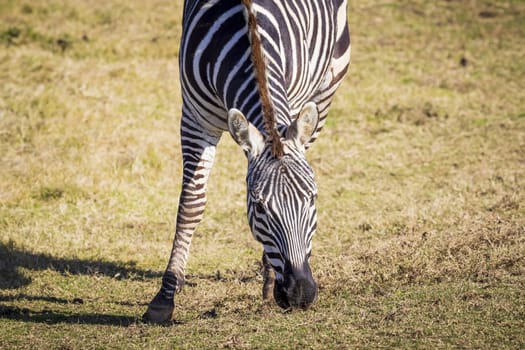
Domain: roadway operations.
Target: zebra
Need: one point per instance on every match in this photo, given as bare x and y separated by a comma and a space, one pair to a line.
266, 72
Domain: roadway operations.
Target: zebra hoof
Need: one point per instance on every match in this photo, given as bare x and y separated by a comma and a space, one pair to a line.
159, 311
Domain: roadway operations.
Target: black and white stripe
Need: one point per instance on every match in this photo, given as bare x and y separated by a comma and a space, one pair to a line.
281, 207
306, 49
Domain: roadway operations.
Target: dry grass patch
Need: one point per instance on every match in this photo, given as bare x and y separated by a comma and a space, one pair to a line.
420, 173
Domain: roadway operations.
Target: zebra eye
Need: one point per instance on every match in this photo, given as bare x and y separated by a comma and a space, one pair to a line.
259, 207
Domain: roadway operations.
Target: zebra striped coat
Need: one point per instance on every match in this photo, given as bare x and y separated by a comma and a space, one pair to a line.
265, 71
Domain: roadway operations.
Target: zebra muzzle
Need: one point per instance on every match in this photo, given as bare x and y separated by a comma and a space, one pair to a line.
296, 290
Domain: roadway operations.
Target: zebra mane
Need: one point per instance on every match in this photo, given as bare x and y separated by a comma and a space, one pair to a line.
259, 63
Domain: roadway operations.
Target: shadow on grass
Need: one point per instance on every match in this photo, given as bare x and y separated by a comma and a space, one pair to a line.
34, 298
12, 258
53, 317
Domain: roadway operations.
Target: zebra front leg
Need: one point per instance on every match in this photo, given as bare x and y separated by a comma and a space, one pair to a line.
268, 278
198, 152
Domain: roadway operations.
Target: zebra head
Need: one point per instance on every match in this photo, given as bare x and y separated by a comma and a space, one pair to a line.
281, 197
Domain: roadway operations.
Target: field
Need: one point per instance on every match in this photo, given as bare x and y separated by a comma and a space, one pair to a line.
420, 168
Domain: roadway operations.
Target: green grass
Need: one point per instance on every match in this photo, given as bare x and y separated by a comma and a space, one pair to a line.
421, 238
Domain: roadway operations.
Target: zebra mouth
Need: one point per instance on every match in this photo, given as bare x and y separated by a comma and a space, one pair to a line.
292, 293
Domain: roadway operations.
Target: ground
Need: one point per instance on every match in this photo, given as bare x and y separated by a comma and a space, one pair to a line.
420, 168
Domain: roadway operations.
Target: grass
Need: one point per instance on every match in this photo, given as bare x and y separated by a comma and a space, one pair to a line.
421, 238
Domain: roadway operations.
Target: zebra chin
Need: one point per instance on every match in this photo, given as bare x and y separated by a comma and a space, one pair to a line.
298, 289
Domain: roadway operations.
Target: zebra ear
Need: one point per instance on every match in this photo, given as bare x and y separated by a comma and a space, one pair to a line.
244, 133
302, 128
